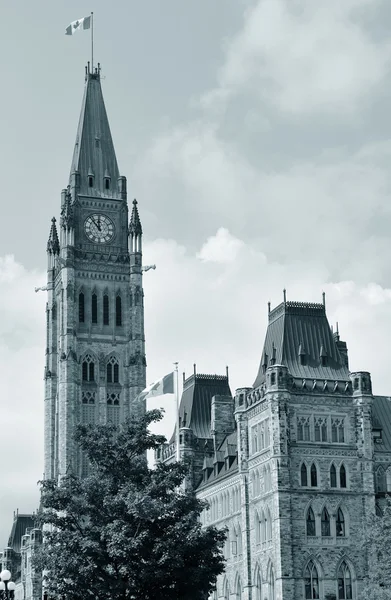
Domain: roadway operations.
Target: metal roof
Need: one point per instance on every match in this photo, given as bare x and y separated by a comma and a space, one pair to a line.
94, 153
196, 402
302, 328
381, 417
19, 526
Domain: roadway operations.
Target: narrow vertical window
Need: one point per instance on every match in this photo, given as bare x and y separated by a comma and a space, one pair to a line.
340, 524
85, 370
317, 431
118, 311
303, 475
90, 181
325, 523
91, 374
333, 477
88, 368
314, 476
342, 477
94, 308
109, 373
310, 523
81, 307
334, 432
344, 583
311, 582
116, 372
307, 430
300, 431
106, 311
107, 183
324, 431
341, 432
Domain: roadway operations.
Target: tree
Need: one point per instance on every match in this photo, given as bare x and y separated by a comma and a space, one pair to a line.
126, 531
377, 541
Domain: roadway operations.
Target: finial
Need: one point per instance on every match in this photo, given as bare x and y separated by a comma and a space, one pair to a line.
184, 377
135, 202
53, 220
268, 308
324, 298
284, 291
337, 330
195, 369
226, 370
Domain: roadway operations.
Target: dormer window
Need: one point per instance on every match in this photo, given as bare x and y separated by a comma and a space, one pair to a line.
90, 181
323, 361
302, 359
107, 183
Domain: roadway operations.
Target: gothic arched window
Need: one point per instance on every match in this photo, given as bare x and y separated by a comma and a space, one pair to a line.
311, 582
268, 526
314, 476
325, 523
226, 590
333, 476
112, 370
106, 310
118, 311
239, 589
340, 524
310, 523
81, 308
344, 583
381, 484
303, 475
113, 409
258, 586
94, 308
88, 368
272, 584
342, 477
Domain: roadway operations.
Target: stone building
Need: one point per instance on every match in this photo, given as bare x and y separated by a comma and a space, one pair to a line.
291, 466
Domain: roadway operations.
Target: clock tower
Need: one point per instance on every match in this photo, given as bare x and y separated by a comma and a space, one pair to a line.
95, 349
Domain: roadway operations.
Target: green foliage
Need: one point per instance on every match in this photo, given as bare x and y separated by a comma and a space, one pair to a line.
126, 531
377, 542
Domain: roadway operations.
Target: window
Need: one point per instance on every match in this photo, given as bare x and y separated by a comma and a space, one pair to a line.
106, 312
325, 523
381, 483
88, 368
340, 524
90, 181
226, 590
255, 438
118, 311
311, 532
311, 582
333, 476
94, 308
107, 183
81, 307
337, 430
268, 525
303, 475
320, 429
344, 583
112, 370
342, 477
307, 430
113, 409
272, 583
314, 476
258, 586
238, 590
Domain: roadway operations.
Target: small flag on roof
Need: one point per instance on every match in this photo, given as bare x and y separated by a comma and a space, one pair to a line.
165, 385
83, 23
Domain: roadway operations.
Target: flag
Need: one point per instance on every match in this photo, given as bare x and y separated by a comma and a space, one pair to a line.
165, 385
84, 23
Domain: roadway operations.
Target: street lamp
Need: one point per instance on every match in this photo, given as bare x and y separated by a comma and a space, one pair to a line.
7, 587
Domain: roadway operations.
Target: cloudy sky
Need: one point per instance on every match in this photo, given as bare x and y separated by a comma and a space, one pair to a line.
255, 135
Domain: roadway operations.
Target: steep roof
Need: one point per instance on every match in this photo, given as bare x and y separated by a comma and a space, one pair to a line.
301, 328
19, 526
382, 419
94, 153
196, 402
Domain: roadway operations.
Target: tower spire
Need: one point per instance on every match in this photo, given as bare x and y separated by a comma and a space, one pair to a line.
135, 223
53, 245
94, 149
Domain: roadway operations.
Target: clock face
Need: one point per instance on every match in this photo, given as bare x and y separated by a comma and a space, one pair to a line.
99, 229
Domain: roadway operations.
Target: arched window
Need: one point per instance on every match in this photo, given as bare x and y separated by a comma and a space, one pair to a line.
258, 585
81, 308
106, 310
325, 523
239, 539
226, 590
342, 477
340, 524
310, 523
381, 485
88, 368
94, 308
314, 476
262, 527
333, 476
311, 582
303, 475
118, 311
344, 583
272, 584
268, 525
112, 370
239, 589
113, 409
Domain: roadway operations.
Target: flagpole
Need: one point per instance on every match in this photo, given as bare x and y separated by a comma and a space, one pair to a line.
177, 410
92, 43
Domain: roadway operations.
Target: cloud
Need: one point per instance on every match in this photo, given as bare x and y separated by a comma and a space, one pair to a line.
302, 56
220, 248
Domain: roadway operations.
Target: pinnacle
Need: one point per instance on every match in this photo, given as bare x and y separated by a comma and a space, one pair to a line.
135, 223
53, 245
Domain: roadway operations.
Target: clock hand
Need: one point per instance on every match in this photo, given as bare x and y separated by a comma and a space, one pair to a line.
98, 224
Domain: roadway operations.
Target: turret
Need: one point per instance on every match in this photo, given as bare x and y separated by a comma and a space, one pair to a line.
53, 246
135, 231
